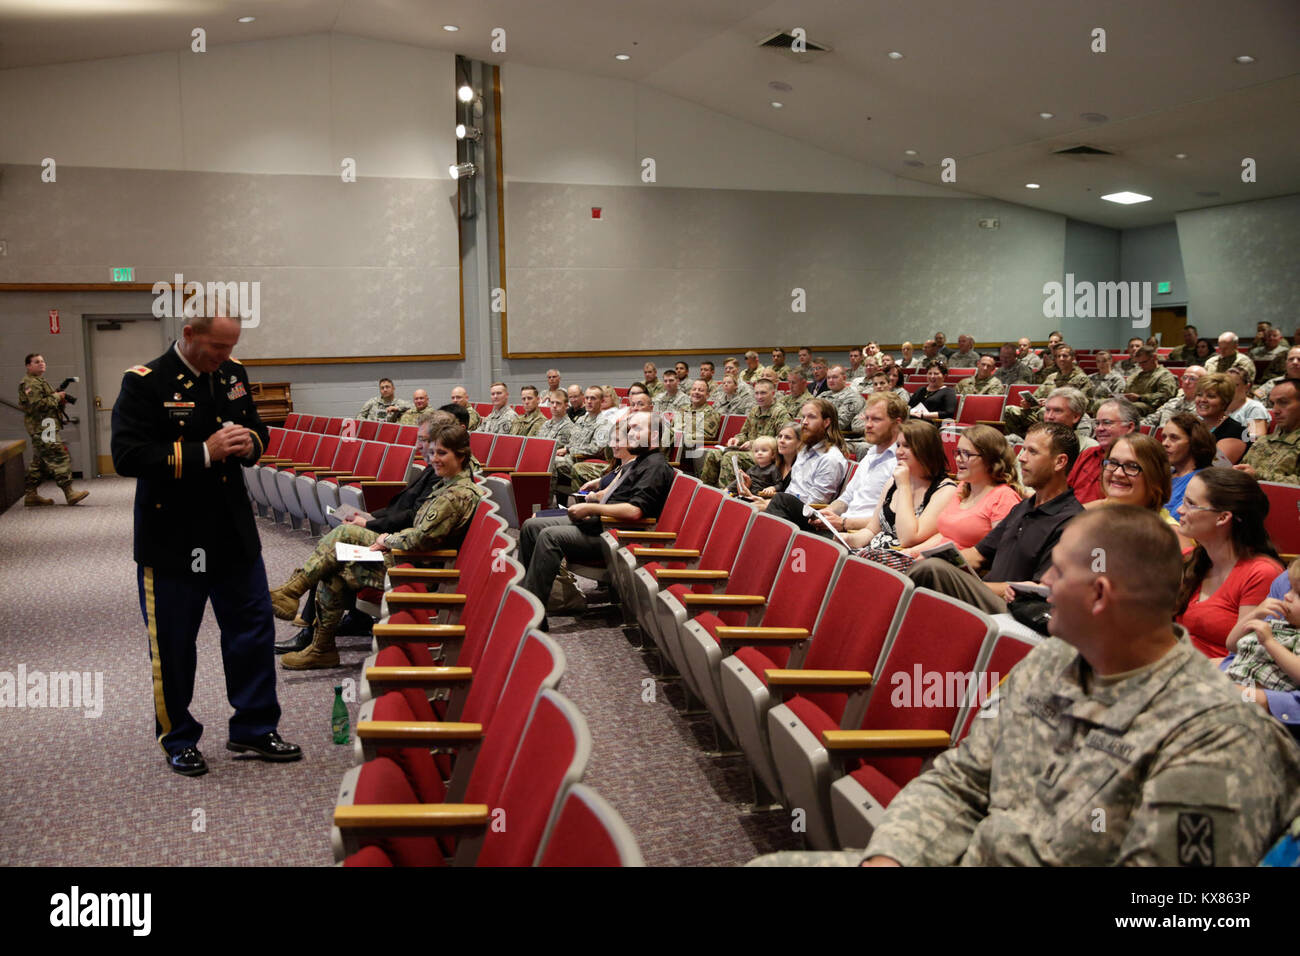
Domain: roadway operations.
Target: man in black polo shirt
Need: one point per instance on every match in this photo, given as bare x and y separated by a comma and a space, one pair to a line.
1019, 548
640, 493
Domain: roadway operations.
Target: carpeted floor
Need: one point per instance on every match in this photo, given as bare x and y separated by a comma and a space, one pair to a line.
94, 790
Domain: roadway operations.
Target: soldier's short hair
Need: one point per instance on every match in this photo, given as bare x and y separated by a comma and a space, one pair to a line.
1146, 351
1062, 439
30, 356
751, 354
1142, 555
502, 384
383, 380
708, 363
819, 360
458, 412
895, 407
529, 388
797, 372
764, 380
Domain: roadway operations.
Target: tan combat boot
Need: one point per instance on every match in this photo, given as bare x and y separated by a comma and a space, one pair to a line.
284, 599
320, 654
34, 498
74, 496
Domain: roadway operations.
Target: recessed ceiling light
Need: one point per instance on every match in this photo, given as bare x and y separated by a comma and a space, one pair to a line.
776, 105
450, 27
1046, 115
1032, 186
1180, 155
1244, 59
245, 19
1126, 198
621, 56
909, 152
895, 55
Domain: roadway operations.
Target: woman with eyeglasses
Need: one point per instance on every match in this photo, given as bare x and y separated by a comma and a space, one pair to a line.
1190, 447
987, 489
1234, 562
1136, 472
921, 489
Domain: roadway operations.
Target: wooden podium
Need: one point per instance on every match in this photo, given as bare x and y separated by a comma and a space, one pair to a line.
274, 401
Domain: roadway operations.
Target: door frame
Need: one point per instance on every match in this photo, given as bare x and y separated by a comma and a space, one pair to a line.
88, 322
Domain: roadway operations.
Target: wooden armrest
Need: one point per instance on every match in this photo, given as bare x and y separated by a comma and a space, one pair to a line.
797, 680
741, 636
314, 469
436, 553
382, 484
685, 574
419, 676
896, 743
423, 574
530, 474
630, 522
423, 599
633, 535
723, 600
352, 479
329, 473
410, 818
403, 733
417, 630
666, 552
496, 469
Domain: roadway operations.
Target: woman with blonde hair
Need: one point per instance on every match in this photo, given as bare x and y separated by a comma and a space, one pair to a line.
988, 487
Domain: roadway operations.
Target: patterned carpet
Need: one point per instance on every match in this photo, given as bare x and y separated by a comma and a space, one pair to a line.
89, 791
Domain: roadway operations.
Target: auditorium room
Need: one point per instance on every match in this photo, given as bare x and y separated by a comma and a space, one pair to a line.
620, 433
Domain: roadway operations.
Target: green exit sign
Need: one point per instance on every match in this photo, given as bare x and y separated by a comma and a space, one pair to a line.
124, 274
1162, 288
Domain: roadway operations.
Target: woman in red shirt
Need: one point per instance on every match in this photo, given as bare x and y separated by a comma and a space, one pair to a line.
1234, 562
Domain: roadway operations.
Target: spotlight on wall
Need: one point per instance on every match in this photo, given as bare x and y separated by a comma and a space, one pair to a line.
471, 133
465, 93
457, 170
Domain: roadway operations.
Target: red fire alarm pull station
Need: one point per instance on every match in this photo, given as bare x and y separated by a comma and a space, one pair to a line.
54, 321
595, 212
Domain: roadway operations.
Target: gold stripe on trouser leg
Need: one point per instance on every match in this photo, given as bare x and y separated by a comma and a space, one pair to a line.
151, 613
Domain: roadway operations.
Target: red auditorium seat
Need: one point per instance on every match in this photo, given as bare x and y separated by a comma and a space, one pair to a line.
589, 832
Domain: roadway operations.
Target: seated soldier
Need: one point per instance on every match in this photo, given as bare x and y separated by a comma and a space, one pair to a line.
765, 419
1276, 456
461, 397
531, 421
501, 419
411, 416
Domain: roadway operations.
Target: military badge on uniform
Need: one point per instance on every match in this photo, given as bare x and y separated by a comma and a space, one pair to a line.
1195, 839
237, 392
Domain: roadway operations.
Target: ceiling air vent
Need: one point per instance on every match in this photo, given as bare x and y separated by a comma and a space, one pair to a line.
784, 41
1083, 151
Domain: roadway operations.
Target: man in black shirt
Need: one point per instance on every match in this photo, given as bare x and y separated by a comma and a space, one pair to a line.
640, 493
1018, 548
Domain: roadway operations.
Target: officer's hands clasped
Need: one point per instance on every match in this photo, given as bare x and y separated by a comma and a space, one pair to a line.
230, 440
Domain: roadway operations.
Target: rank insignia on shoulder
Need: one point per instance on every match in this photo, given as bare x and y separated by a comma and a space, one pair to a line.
236, 361
140, 369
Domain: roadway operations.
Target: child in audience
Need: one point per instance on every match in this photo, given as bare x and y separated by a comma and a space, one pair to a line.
765, 472
1266, 651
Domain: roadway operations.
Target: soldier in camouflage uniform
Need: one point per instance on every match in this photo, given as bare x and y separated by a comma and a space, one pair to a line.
1151, 385
531, 421
1276, 457
753, 370
1290, 369
793, 401
983, 382
848, 401
1018, 419
965, 356
1107, 381
501, 419
778, 365
698, 423
1115, 742
671, 397
1011, 370
765, 419
1273, 348
558, 428
461, 397
441, 521
729, 400
384, 406
1186, 353
1183, 401
42, 409
1228, 356
419, 403
584, 442
651, 380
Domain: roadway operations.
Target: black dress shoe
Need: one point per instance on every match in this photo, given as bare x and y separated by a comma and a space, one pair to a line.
188, 762
355, 624
299, 642
268, 747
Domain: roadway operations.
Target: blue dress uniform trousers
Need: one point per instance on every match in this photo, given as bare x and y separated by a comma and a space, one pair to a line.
173, 605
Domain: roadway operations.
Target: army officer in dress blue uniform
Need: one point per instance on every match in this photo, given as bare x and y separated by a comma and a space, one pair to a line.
182, 426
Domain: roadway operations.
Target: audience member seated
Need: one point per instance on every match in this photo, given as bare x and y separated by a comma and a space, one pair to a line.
1183, 401
1233, 564
1017, 418
1129, 364
698, 423
1185, 354
730, 400
650, 376
753, 370
411, 415
501, 419
610, 407
1228, 356
936, 401
788, 445
1118, 720
440, 522
1151, 385
764, 473
988, 489
577, 402
1190, 448
1025, 352
1276, 457
1244, 410
1069, 407
531, 421
882, 422
558, 427
793, 401
640, 493
584, 442
1214, 393
376, 409
918, 493
983, 382
819, 468
778, 364
461, 397
907, 359
1273, 350
553, 379
1115, 419
1290, 369
766, 418
1012, 369
965, 356
1137, 473
818, 383
1018, 548
846, 399
671, 397
1264, 646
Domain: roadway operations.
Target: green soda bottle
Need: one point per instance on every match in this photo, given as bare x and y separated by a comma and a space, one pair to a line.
339, 719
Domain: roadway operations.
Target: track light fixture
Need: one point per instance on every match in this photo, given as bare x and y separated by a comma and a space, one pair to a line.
457, 170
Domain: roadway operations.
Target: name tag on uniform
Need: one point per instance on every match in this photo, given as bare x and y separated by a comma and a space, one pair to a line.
179, 409
237, 392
